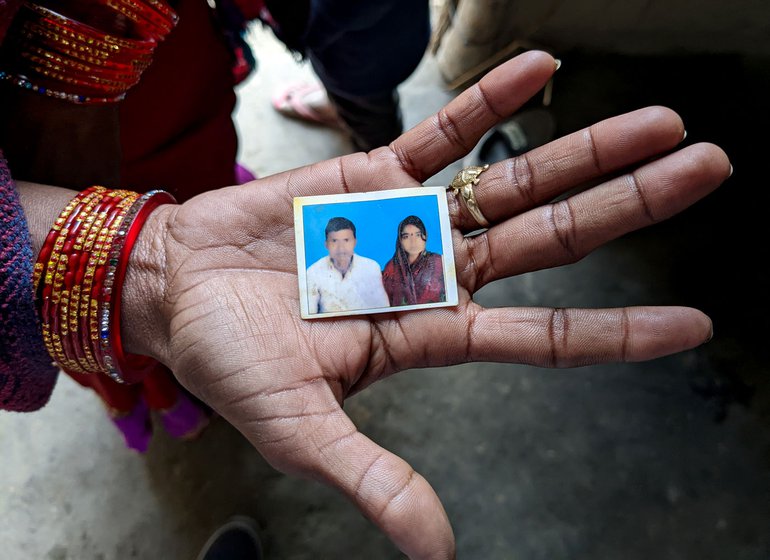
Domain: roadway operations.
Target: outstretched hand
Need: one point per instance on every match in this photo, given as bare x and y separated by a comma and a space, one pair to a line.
218, 295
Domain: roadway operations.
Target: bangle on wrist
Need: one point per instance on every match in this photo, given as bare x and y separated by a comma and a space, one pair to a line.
78, 280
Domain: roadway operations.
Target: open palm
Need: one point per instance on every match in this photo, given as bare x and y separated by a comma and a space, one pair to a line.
225, 308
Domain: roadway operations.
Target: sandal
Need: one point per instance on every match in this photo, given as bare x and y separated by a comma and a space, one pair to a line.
294, 102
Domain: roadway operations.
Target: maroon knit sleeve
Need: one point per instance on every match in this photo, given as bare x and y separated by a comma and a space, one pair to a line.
27, 377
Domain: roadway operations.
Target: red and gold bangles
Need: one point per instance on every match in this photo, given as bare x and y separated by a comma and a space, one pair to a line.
94, 53
78, 279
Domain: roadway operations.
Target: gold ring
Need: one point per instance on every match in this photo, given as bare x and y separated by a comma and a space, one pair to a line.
463, 184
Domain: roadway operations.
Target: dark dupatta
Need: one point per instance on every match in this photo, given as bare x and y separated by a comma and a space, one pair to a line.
416, 283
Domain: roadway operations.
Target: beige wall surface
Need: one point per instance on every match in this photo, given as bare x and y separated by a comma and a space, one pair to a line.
480, 29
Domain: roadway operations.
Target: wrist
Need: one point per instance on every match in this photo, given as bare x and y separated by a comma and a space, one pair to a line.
42, 205
99, 277
144, 324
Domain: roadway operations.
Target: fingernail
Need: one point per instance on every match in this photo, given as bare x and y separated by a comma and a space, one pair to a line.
685, 135
558, 63
731, 170
710, 335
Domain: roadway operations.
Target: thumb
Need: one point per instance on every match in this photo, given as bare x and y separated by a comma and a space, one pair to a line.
384, 487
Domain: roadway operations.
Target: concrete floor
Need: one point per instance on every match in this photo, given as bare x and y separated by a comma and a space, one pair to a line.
668, 459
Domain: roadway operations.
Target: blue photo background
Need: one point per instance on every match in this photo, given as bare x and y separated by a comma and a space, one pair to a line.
376, 224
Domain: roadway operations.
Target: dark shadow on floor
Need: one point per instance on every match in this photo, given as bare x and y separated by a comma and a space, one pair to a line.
713, 254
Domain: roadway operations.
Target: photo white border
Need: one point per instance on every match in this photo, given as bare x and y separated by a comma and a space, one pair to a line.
448, 257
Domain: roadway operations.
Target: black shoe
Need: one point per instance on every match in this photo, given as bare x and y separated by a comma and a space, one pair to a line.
235, 540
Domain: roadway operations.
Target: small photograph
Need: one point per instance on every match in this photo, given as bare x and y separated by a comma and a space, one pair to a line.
374, 252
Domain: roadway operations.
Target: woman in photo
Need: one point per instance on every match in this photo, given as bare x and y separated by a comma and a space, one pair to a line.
414, 275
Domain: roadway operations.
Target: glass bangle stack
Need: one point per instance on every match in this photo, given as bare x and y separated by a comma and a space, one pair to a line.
78, 280
84, 52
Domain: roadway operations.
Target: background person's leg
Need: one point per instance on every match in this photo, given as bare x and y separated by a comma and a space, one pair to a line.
361, 53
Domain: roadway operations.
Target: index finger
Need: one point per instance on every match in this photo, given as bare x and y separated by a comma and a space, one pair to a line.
452, 132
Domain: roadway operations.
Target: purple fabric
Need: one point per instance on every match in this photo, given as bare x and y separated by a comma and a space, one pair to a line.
185, 420
243, 175
136, 427
27, 377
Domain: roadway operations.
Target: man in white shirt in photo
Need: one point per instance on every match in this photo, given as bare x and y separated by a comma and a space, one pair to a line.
344, 281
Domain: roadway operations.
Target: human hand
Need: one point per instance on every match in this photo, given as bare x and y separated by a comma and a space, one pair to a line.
212, 289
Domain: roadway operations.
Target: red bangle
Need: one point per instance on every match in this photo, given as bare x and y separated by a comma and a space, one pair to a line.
80, 295
64, 63
80, 272
150, 22
50, 239
83, 32
122, 367
99, 262
54, 264
55, 55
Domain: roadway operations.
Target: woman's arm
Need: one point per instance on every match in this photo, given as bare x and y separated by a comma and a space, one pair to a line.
27, 377
42, 205
141, 325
